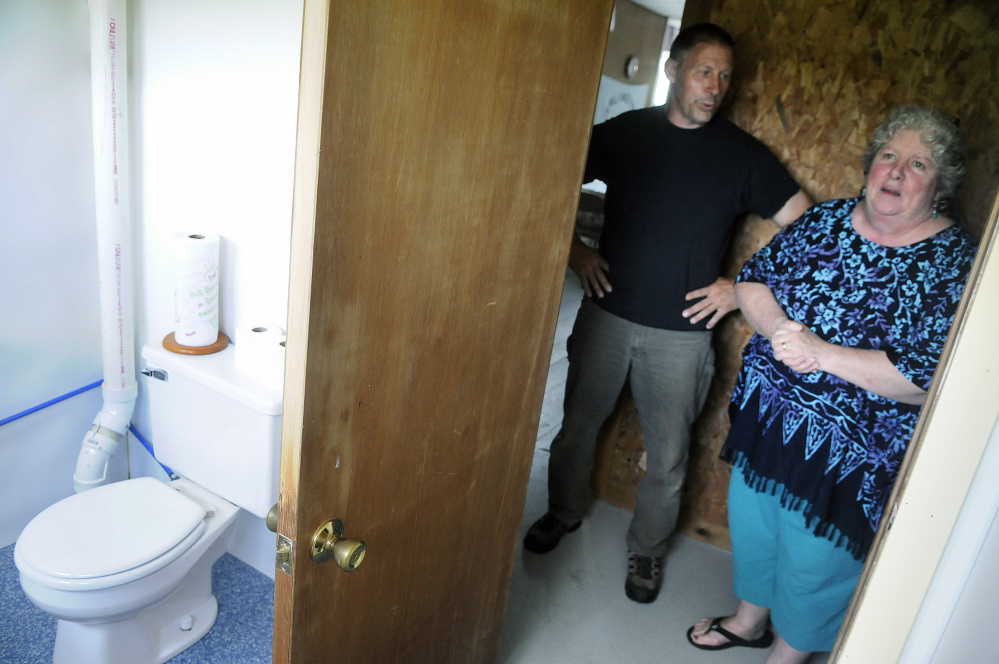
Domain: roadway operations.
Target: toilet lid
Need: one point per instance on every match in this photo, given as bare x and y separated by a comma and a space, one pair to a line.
109, 529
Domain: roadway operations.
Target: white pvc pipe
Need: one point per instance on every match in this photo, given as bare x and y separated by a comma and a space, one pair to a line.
109, 90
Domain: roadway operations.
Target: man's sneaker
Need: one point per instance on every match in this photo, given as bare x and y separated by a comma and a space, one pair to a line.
644, 578
545, 534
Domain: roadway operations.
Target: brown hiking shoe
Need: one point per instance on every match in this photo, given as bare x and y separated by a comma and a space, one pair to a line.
545, 534
644, 578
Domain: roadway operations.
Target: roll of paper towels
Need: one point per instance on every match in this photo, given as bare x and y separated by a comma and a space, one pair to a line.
260, 352
196, 289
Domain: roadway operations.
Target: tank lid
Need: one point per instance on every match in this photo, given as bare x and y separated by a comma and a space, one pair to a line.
218, 372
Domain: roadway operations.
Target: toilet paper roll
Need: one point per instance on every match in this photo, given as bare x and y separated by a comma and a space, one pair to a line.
260, 351
196, 289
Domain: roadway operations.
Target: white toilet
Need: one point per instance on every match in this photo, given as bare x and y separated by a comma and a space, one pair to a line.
126, 567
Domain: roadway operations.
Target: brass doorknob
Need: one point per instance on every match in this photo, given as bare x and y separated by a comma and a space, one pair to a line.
271, 521
329, 542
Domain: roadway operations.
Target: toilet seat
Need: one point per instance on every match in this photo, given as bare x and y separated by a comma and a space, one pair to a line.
75, 544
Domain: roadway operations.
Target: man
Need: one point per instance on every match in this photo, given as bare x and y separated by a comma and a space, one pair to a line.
677, 179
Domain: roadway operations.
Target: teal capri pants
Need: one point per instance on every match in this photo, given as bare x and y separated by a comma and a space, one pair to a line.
779, 563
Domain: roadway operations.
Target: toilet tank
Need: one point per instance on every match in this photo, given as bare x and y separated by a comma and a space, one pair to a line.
216, 426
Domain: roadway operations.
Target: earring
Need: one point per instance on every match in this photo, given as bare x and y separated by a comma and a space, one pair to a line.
863, 192
936, 207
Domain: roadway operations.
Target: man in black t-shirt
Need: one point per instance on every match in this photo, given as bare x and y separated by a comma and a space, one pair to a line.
677, 180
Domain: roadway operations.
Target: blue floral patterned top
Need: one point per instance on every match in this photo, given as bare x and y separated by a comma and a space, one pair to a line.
815, 440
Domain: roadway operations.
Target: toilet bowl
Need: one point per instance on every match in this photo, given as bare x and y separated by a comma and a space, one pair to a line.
136, 590
126, 567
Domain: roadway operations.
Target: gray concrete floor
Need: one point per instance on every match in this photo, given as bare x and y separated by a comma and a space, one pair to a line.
569, 605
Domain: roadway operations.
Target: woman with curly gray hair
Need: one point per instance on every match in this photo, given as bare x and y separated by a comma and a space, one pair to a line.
851, 306
937, 132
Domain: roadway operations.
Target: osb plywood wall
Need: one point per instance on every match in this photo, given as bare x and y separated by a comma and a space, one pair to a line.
813, 79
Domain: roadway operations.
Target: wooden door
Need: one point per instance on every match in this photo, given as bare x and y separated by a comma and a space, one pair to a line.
440, 151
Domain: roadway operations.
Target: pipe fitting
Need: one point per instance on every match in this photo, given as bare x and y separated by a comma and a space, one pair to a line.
99, 444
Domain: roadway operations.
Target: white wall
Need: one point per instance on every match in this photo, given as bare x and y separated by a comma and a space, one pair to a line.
215, 92
213, 99
961, 623
50, 339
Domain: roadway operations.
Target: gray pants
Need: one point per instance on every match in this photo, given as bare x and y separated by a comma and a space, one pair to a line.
670, 375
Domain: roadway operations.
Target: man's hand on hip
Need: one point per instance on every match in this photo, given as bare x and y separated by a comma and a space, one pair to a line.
591, 269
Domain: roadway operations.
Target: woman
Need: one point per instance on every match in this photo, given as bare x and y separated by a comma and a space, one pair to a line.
851, 306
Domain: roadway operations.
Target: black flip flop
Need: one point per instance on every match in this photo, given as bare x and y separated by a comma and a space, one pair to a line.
733, 640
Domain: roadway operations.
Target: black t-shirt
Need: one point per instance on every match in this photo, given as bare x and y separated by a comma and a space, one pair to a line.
672, 198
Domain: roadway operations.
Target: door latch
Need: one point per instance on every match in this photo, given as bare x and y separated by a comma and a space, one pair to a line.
282, 559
